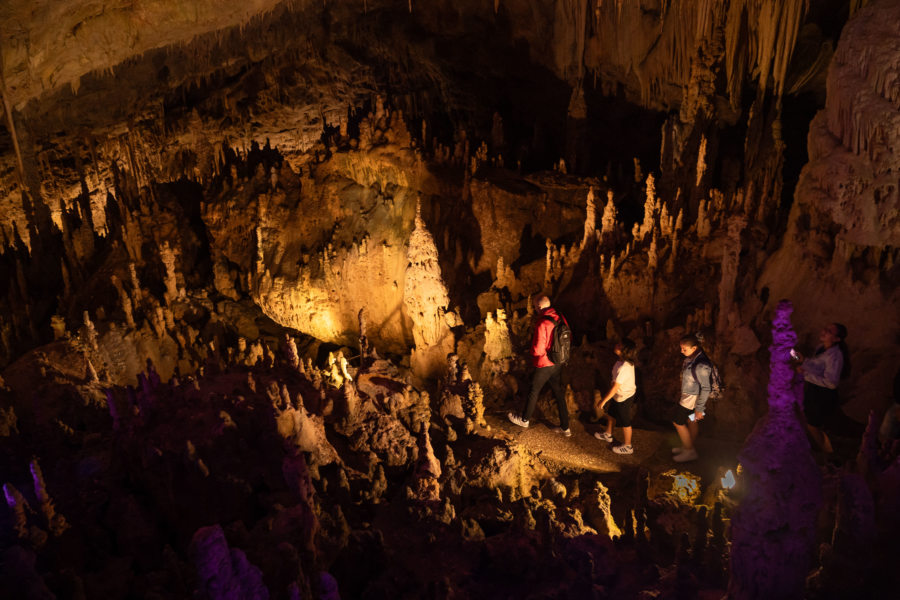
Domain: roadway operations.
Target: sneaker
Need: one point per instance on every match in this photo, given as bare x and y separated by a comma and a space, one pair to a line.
516, 419
677, 450
603, 437
686, 455
566, 432
623, 449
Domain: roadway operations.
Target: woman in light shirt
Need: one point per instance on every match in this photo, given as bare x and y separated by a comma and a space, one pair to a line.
821, 374
622, 390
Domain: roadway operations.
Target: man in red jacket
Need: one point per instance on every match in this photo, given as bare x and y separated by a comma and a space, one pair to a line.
544, 370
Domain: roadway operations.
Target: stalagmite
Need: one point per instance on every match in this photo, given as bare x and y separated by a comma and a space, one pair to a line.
426, 301
168, 259
290, 348
608, 222
701, 161
18, 506
652, 258
428, 469
773, 528
90, 332
590, 221
56, 523
474, 405
650, 207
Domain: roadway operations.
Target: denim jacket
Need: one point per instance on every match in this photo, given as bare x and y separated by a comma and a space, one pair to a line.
695, 391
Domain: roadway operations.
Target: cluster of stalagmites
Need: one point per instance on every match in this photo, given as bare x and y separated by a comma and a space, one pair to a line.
315, 456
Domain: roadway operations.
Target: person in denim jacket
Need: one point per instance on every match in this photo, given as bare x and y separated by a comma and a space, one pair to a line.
695, 388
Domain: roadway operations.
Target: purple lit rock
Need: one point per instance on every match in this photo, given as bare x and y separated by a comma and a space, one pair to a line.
223, 573
773, 529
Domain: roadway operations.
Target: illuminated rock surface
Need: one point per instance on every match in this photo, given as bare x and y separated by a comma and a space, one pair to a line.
267, 277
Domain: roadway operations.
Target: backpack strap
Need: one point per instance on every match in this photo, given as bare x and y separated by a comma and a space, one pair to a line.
703, 359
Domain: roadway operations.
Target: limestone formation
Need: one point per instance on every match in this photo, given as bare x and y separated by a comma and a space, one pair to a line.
426, 302
204, 214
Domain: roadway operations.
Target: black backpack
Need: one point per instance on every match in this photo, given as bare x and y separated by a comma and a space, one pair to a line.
561, 346
716, 385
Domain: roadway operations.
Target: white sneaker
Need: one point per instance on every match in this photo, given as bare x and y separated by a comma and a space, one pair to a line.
677, 450
623, 449
566, 432
516, 419
603, 437
686, 455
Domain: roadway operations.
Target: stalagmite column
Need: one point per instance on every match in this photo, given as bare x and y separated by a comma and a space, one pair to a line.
608, 221
90, 331
426, 300
652, 256
773, 530
701, 160
649, 208
590, 221
18, 506
168, 258
428, 469
56, 523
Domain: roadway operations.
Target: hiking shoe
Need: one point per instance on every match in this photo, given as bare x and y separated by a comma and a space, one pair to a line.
516, 419
603, 437
686, 455
624, 449
566, 432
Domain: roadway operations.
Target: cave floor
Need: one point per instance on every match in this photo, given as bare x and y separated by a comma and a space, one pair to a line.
583, 452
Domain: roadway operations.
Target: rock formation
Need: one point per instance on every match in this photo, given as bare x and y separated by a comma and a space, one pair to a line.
268, 272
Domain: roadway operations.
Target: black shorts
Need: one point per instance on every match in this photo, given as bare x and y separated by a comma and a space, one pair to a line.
621, 411
819, 404
682, 414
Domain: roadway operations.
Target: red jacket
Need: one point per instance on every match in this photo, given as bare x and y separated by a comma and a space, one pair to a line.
542, 338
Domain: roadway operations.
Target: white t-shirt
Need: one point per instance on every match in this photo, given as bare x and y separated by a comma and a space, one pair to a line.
623, 374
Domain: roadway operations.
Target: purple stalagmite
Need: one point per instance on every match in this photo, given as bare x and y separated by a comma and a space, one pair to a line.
773, 529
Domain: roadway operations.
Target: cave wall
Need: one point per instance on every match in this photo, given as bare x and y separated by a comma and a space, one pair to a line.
272, 114
843, 227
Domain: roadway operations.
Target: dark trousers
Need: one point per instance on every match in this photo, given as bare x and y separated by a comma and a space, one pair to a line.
541, 376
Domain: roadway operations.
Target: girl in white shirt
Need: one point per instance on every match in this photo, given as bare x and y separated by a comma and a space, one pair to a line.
622, 391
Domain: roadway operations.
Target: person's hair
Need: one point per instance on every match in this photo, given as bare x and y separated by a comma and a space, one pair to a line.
690, 340
629, 351
542, 301
845, 352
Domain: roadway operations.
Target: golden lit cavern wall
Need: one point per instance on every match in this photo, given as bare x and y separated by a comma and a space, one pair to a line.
321, 231
844, 226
